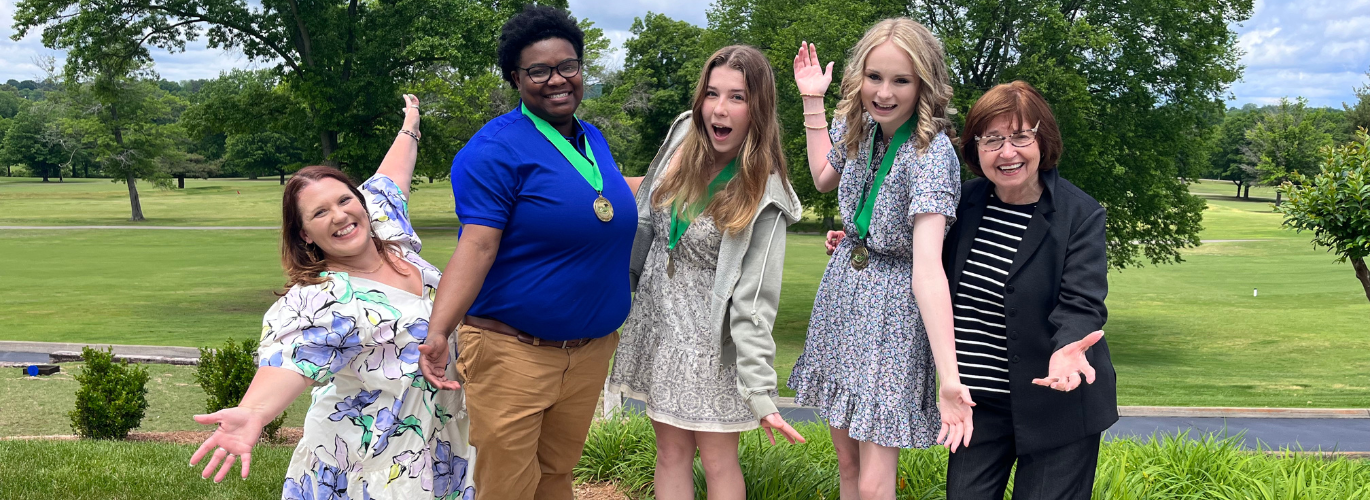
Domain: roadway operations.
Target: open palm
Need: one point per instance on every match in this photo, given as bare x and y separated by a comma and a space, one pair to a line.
809, 74
238, 431
1068, 364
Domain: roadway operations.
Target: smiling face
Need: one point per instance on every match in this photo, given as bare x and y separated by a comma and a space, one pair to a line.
889, 87
556, 99
727, 117
333, 219
1012, 169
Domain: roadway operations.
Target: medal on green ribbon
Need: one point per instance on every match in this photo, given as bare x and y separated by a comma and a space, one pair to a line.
681, 222
860, 256
588, 167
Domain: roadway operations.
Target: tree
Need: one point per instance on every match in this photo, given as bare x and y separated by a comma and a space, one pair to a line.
659, 74
1335, 204
345, 59
1287, 139
1228, 160
27, 142
126, 116
262, 153
1134, 86
1358, 116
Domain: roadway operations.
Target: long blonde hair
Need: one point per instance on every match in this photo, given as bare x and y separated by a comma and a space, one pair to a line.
735, 205
934, 90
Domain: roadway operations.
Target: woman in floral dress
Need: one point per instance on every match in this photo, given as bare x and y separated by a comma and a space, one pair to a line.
882, 317
350, 324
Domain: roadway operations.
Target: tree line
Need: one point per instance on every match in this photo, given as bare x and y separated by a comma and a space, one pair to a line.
1138, 87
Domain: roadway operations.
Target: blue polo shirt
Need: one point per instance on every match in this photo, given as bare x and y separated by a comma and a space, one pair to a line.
560, 272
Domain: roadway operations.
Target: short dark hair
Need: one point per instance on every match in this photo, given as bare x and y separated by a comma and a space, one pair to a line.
1019, 99
535, 24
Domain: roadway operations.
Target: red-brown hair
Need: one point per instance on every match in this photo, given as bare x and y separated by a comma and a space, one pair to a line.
1019, 99
303, 262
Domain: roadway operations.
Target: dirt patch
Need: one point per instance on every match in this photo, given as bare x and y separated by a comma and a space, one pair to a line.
598, 491
287, 436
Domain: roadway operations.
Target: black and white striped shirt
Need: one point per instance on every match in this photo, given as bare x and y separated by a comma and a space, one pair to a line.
981, 344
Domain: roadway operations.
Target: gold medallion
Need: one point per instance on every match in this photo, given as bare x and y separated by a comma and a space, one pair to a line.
860, 257
603, 209
670, 266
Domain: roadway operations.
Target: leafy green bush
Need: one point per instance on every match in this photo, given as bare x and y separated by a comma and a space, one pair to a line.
112, 398
622, 450
226, 373
1335, 204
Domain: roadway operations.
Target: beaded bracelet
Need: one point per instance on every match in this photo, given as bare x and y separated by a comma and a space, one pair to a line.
801, 94
410, 134
824, 126
815, 113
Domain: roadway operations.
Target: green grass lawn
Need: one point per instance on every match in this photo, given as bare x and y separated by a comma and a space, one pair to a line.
1188, 334
117, 470
38, 406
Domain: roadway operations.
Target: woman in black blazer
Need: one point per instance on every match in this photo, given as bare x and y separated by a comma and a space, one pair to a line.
1027, 270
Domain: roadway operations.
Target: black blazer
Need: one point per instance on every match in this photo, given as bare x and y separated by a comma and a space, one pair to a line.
1054, 295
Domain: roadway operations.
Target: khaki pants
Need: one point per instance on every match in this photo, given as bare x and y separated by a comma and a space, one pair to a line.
530, 409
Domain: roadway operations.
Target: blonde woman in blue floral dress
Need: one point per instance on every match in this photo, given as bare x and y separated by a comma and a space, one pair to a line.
882, 317
350, 325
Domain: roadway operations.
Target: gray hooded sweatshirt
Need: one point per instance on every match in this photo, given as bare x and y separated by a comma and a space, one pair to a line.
746, 290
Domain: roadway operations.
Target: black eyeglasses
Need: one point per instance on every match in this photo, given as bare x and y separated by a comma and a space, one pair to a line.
541, 73
1020, 139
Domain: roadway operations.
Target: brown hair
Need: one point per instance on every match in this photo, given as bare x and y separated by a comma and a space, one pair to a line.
733, 207
303, 262
934, 90
1020, 99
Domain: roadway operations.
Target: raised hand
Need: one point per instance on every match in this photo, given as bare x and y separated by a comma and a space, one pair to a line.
239, 429
411, 113
1068, 363
834, 238
433, 361
776, 423
809, 74
953, 401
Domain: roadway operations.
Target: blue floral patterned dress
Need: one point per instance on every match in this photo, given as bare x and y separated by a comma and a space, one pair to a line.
375, 428
867, 364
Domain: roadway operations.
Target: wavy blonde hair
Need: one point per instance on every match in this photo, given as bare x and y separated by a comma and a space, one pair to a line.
934, 89
733, 207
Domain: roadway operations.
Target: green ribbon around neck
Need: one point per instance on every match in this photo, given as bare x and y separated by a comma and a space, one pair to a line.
867, 205
679, 224
588, 168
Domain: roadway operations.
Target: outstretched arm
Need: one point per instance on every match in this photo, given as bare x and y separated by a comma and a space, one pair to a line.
398, 163
271, 391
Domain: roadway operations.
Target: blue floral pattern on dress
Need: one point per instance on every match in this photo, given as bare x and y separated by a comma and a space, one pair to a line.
375, 423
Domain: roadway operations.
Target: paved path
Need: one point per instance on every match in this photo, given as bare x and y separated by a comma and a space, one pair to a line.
20, 348
1326, 430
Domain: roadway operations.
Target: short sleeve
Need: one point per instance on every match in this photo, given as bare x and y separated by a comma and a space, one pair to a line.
310, 332
838, 156
389, 211
484, 185
936, 181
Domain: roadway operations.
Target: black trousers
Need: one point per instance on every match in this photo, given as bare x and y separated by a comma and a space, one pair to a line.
981, 471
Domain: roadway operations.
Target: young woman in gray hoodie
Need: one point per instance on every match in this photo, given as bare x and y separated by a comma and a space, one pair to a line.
706, 265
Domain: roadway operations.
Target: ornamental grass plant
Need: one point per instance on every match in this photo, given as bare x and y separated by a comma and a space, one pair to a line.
622, 450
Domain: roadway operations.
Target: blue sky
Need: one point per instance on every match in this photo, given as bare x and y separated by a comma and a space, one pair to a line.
1319, 49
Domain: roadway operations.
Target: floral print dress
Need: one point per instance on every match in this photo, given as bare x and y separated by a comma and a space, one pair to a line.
867, 364
375, 428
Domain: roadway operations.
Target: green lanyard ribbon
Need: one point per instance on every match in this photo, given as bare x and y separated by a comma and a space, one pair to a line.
588, 168
679, 224
867, 205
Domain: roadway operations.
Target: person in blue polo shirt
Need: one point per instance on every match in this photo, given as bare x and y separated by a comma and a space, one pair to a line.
539, 281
